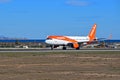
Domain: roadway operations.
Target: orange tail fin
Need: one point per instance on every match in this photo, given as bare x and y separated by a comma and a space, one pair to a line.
92, 34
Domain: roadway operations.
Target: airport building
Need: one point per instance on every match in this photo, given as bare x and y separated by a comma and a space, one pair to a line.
36, 43
22, 43
112, 43
104, 44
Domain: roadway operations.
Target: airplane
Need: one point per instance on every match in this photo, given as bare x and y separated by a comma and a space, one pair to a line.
72, 41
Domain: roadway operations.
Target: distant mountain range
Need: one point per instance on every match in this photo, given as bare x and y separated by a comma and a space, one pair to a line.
8, 38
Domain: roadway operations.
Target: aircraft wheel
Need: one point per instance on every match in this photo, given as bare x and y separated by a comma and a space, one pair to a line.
78, 48
64, 48
52, 47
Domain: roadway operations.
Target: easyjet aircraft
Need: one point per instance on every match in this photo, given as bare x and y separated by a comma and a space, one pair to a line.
72, 41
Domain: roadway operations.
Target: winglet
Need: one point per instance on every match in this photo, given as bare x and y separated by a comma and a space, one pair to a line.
92, 34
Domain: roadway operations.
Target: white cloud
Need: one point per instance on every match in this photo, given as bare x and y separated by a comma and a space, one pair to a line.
78, 3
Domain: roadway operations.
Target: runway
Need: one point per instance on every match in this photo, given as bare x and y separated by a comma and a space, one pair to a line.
55, 50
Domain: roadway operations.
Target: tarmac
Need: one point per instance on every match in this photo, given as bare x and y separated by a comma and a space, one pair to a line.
55, 50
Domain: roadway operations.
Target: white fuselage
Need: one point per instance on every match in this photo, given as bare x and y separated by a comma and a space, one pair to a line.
78, 39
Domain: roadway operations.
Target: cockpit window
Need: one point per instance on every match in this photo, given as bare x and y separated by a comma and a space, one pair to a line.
49, 39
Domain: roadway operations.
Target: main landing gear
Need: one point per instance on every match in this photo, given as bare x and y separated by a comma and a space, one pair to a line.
63, 48
78, 48
53, 46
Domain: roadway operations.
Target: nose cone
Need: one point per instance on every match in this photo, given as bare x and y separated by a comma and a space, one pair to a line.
48, 41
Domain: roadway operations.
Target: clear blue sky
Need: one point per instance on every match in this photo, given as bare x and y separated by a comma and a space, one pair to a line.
35, 19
